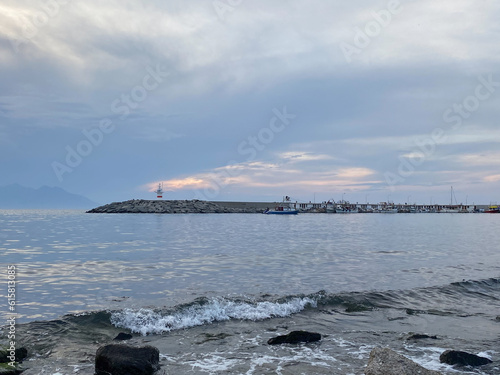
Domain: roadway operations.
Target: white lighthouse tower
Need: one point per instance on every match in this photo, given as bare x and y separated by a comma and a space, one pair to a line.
159, 191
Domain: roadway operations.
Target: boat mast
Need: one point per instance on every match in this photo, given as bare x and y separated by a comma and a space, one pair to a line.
451, 197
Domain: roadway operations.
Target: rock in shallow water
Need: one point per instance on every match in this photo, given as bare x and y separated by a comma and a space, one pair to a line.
418, 336
20, 354
6, 360
118, 359
6, 369
295, 337
456, 357
123, 336
384, 361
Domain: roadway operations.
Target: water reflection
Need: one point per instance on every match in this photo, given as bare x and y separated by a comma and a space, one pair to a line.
71, 261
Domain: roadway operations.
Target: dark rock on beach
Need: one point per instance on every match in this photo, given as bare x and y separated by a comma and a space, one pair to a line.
419, 336
6, 362
456, 357
123, 336
295, 337
179, 207
6, 369
119, 359
384, 361
20, 354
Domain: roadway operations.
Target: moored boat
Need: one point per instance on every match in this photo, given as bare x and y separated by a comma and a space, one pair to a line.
449, 210
344, 207
388, 210
452, 208
330, 207
492, 210
284, 208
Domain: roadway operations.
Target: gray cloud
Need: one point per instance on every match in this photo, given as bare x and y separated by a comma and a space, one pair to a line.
65, 68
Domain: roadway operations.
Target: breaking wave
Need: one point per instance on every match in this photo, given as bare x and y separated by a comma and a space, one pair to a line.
205, 311
464, 298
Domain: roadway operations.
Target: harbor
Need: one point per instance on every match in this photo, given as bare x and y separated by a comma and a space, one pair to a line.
287, 205
160, 206
344, 207
390, 207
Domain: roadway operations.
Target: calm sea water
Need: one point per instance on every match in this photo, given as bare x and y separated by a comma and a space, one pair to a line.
209, 290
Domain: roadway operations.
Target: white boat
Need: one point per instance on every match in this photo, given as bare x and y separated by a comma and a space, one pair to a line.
388, 211
330, 207
346, 210
344, 207
285, 208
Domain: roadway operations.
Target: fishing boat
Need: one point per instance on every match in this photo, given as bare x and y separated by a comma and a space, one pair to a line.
449, 210
330, 207
388, 210
284, 208
343, 209
492, 210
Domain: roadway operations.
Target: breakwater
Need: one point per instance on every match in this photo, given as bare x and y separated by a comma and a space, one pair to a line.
181, 207
198, 206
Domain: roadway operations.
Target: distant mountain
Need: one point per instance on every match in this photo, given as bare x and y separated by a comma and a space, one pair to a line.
17, 196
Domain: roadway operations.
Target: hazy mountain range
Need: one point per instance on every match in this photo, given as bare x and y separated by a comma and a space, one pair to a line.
17, 196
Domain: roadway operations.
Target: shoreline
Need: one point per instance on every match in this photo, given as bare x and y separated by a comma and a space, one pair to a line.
248, 340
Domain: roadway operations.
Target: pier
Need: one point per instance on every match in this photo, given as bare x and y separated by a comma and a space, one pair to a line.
347, 207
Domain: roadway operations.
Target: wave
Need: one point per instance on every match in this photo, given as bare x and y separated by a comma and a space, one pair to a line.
206, 311
458, 299
463, 298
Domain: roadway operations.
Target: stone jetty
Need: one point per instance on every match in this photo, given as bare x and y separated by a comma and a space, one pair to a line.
180, 207
200, 207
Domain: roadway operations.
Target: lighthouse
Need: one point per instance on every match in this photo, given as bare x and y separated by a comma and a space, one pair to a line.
159, 191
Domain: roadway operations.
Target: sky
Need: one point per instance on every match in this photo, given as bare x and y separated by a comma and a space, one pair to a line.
252, 100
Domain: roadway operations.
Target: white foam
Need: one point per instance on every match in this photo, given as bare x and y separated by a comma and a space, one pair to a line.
355, 350
215, 364
147, 321
488, 354
312, 357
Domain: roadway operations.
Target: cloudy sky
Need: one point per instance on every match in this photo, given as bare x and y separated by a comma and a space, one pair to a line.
252, 100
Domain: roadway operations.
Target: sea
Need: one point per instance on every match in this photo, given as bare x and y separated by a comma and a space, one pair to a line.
209, 290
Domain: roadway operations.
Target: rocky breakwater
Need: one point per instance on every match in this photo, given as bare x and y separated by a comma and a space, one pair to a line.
173, 207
